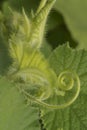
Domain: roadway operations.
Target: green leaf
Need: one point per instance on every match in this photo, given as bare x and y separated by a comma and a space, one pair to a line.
75, 18
73, 117
14, 113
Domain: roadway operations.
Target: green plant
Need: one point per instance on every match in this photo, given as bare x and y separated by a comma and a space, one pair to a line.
36, 92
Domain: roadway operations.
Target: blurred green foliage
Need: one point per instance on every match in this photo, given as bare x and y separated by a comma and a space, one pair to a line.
74, 13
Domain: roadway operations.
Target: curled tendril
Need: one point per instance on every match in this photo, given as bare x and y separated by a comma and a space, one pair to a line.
65, 82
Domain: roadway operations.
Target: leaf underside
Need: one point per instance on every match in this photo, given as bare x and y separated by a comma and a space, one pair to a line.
14, 113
